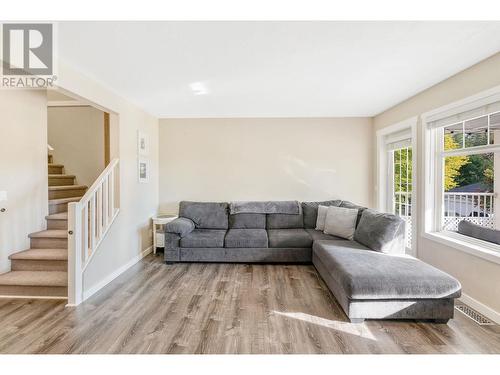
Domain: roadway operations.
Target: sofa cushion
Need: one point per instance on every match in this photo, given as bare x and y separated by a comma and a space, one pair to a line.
284, 221
246, 238
482, 233
247, 221
204, 238
310, 211
182, 226
318, 235
381, 232
360, 209
289, 238
366, 275
205, 215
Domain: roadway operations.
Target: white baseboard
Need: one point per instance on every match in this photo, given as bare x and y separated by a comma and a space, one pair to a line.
481, 308
90, 292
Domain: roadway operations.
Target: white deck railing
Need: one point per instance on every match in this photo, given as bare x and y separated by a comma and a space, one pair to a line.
88, 222
403, 208
478, 208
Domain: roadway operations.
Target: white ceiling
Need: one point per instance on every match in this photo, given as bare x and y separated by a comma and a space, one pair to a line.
273, 69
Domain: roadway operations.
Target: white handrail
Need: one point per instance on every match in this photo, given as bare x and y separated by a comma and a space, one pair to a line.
93, 188
88, 223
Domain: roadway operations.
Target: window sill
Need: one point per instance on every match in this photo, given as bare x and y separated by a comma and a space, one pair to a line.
475, 247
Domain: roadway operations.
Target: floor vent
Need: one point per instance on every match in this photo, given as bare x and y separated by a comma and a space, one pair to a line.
474, 315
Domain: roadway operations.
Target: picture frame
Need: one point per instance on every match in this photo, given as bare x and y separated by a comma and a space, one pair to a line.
142, 143
143, 170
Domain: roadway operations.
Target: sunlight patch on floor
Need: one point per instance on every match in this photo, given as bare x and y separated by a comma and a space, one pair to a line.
360, 330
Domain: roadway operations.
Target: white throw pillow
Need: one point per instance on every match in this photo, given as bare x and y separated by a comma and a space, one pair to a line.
341, 222
320, 220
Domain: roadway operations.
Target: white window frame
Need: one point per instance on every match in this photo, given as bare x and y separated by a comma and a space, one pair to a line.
433, 167
383, 188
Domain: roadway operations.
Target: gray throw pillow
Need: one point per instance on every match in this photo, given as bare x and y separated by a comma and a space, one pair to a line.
381, 232
310, 211
320, 220
182, 226
341, 222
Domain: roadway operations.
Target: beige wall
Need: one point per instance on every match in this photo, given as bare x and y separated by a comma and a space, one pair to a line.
23, 169
56, 96
130, 234
77, 136
480, 278
264, 159
475, 79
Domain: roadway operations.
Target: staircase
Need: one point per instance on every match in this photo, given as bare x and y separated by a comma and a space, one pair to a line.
42, 270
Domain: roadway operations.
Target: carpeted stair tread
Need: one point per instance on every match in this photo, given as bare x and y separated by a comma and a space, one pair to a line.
67, 187
40, 254
35, 278
59, 216
62, 176
64, 200
50, 233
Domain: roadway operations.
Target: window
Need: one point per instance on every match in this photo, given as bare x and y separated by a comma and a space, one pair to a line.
462, 171
469, 154
395, 165
402, 182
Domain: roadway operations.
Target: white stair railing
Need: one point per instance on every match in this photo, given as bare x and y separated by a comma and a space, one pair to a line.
88, 223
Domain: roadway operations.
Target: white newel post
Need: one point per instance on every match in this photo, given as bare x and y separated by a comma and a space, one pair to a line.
75, 276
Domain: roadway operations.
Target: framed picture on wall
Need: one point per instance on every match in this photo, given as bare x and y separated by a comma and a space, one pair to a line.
142, 143
143, 170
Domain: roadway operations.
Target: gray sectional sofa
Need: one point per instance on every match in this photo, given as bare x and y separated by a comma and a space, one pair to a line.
370, 276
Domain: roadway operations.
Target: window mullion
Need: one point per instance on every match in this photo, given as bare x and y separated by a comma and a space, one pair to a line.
439, 182
400, 179
488, 131
469, 151
463, 134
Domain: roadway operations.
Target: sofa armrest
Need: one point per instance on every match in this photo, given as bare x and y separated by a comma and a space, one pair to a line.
381, 232
181, 226
172, 247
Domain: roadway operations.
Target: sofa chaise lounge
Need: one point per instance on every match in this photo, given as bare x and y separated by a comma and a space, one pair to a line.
370, 276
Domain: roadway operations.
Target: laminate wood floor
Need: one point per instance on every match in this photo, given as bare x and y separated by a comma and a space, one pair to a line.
222, 308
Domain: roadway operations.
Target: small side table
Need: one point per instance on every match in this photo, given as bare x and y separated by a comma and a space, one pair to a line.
159, 230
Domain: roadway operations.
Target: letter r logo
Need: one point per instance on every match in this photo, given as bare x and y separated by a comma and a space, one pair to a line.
27, 49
